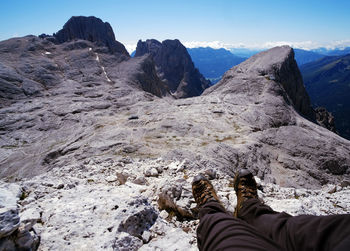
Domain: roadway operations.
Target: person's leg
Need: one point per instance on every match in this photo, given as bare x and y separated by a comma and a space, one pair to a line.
304, 232
220, 231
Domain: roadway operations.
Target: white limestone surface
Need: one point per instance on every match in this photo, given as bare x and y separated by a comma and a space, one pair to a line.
82, 208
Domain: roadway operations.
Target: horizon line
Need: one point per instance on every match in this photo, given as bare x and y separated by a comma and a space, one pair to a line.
304, 45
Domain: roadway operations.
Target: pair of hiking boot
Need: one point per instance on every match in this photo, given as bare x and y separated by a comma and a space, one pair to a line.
243, 183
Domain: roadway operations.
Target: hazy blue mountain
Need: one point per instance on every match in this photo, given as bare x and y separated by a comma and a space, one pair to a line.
334, 52
327, 82
304, 56
244, 52
213, 63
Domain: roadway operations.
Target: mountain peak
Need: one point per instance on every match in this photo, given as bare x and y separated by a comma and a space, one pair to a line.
91, 29
268, 61
149, 46
175, 67
278, 66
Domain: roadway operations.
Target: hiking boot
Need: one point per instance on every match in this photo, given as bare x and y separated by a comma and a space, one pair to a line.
203, 191
245, 187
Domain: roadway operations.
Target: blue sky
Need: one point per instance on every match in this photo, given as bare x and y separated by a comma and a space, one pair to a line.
219, 23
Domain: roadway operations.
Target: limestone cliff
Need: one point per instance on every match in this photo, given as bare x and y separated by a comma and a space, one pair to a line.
91, 29
279, 67
174, 67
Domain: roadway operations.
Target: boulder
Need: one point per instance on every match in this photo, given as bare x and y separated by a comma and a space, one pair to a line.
9, 218
172, 201
141, 219
16, 234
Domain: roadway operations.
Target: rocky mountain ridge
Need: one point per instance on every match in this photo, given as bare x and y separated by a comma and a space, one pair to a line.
91, 29
97, 136
174, 67
284, 71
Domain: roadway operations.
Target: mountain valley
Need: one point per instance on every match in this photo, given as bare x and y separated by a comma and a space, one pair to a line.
328, 84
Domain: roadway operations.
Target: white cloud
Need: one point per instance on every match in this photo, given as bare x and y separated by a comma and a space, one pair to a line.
306, 45
341, 44
213, 44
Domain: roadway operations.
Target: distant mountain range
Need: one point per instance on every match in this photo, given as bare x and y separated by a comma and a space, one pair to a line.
247, 52
213, 63
301, 56
328, 84
327, 78
332, 52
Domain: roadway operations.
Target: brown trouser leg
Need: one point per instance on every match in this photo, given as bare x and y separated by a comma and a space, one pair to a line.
220, 231
304, 232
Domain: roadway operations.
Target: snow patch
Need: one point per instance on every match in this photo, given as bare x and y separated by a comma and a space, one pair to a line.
105, 73
102, 67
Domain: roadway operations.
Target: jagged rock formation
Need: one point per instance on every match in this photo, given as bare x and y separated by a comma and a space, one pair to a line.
30, 66
92, 131
258, 86
325, 119
284, 71
91, 29
174, 66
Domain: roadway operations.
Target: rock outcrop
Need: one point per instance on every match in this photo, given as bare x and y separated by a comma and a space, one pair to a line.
278, 65
325, 119
257, 90
141, 72
174, 67
34, 67
16, 231
91, 29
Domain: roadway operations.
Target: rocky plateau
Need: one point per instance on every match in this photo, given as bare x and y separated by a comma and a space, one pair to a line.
97, 150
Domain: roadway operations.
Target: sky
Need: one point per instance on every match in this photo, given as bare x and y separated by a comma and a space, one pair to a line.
305, 24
